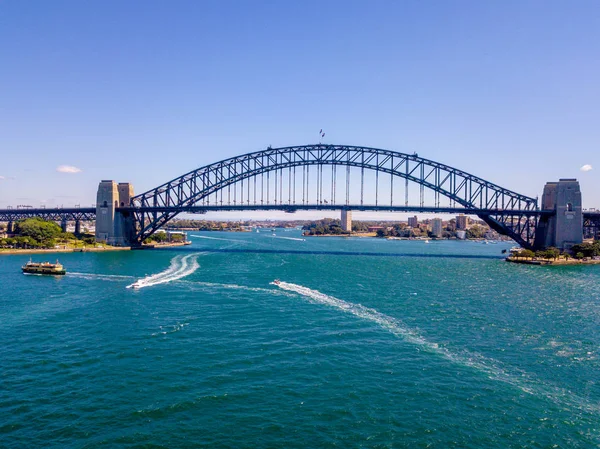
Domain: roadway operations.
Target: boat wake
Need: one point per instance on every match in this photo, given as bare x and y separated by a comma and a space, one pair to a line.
181, 266
485, 365
102, 277
213, 285
217, 238
290, 238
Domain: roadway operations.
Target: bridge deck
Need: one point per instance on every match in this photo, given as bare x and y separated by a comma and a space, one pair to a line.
89, 213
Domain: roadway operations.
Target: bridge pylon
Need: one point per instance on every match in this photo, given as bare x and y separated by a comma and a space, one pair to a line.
562, 225
112, 225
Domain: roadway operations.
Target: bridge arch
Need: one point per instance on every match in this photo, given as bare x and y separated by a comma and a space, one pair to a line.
154, 208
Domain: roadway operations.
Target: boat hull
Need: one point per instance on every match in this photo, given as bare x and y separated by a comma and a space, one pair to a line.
47, 271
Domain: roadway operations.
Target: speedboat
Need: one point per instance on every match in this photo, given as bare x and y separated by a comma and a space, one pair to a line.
276, 282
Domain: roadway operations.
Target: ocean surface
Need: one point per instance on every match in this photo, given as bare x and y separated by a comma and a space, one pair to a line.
365, 343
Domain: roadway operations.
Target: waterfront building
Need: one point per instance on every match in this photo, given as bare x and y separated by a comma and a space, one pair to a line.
413, 222
436, 227
462, 222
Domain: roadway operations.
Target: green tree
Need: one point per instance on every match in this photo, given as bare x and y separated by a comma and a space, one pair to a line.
178, 238
552, 253
359, 226
587, 249
475, 232
526, 253
38, 229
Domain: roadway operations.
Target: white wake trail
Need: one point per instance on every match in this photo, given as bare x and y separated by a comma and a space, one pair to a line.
107, 277
180, 267
486, 365
290, 238
217, 238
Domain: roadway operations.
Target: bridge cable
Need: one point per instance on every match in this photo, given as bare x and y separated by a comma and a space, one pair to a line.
406, 183
377, 181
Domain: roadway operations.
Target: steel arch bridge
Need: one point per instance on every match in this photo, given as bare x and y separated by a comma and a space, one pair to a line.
293, 178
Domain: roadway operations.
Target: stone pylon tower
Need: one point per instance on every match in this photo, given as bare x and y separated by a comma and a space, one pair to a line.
106, 201
565, 228
112, 226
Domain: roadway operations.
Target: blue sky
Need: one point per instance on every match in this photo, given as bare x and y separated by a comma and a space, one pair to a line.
143, 91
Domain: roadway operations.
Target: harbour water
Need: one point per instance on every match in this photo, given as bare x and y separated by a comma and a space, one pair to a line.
364, 343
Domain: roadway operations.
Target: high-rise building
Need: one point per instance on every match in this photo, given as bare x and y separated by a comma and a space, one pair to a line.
346, 220
462, 222
436, 227
413, 222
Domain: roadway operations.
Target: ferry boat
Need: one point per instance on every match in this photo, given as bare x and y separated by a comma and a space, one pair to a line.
54, 269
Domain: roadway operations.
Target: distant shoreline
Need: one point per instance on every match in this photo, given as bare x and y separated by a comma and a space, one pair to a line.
360, 235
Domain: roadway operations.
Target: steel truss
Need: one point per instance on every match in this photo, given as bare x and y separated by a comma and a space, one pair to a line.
60, 215
216, 182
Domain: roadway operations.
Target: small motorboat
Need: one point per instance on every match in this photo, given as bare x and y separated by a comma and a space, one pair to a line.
276, 282
135, 285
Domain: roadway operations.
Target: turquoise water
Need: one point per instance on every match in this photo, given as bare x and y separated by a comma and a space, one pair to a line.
366, 343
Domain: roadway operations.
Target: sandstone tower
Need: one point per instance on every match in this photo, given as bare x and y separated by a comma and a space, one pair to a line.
565, 228
112, 226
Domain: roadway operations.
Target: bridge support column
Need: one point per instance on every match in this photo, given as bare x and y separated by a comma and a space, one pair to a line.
106, 202
10, 228
113, 226
63, 224
346, 220
77, 227
565, 228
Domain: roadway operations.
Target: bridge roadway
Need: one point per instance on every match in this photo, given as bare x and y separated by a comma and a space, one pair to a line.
89, 213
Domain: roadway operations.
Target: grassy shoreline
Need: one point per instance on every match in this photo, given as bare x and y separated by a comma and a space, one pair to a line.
86, 249
529, 261
61, 250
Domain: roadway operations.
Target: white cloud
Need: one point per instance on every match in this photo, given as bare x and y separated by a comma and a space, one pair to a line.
586, 167
2, 177
67, 169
